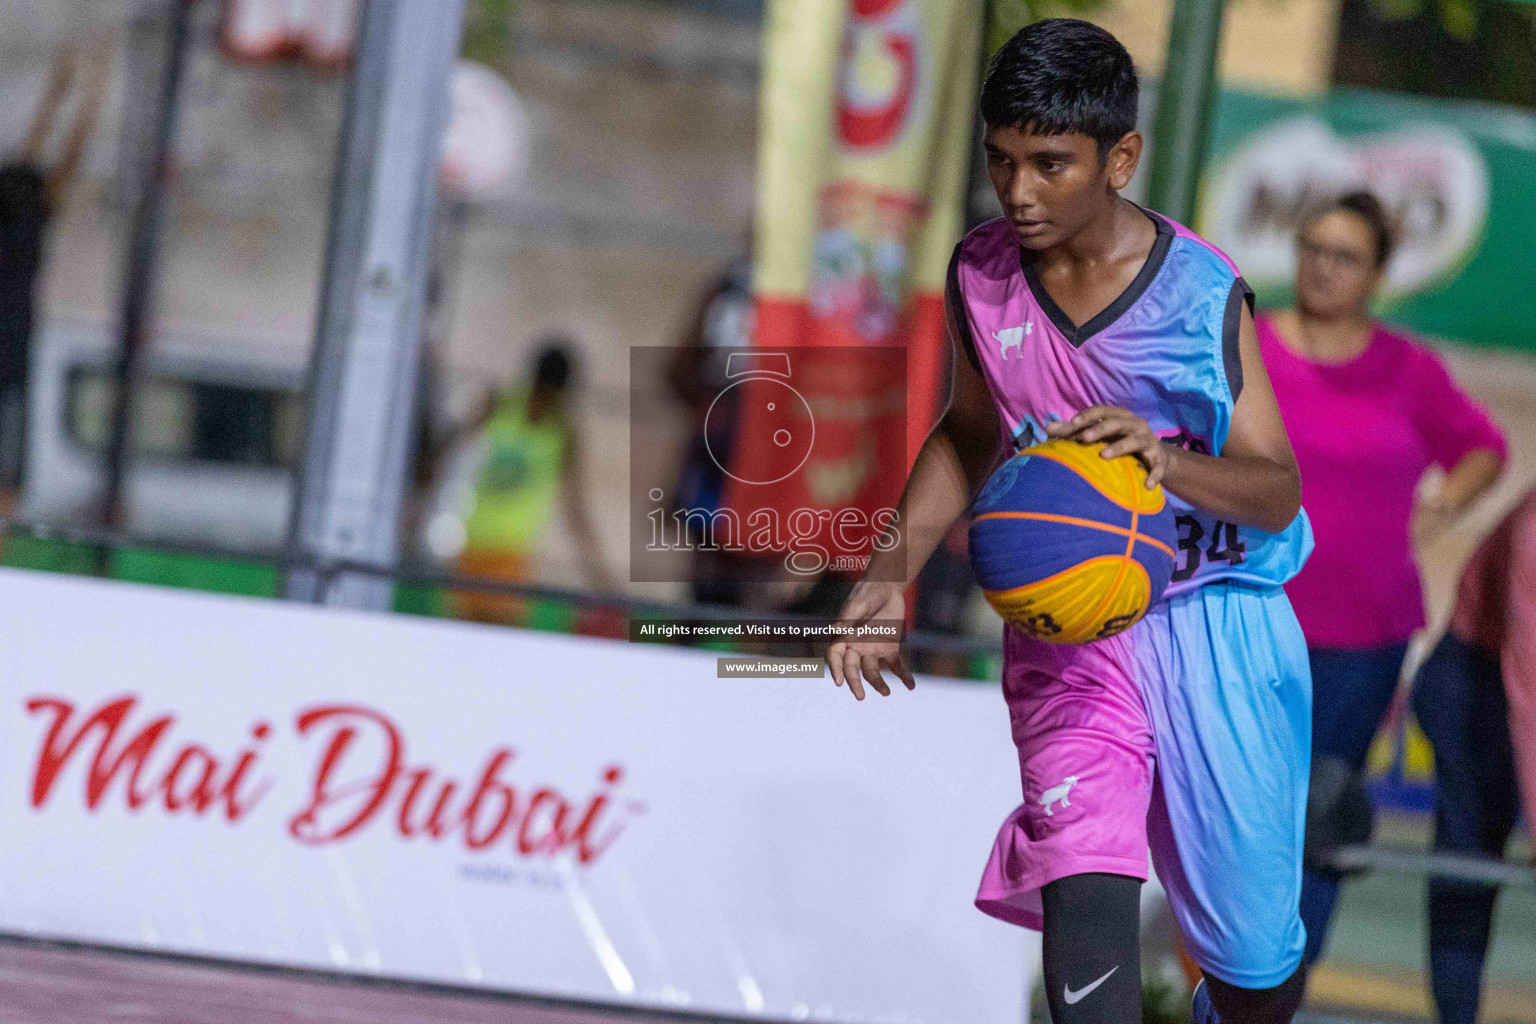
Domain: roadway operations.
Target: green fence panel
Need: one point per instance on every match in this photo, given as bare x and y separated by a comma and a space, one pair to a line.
22, 552
418, 599
187, 572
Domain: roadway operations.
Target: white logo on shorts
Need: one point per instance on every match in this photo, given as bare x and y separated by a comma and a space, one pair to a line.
1012, 337
1056, 793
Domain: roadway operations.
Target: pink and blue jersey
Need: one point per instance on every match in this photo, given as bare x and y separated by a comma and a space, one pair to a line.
1166, 350
1189, 734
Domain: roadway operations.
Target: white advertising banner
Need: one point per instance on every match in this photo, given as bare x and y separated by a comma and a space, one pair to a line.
455, 803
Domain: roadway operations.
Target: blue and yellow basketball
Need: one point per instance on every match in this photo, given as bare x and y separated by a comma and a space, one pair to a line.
1070, 546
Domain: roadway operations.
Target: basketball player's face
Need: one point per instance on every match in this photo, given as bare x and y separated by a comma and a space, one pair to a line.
1336, 268
1050, 186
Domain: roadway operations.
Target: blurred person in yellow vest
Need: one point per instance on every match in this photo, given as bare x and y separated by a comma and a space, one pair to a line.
528, 455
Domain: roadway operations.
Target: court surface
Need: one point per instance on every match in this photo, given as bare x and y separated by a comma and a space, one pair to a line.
45, 984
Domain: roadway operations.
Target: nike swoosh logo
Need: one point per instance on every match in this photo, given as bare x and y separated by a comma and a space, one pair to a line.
1073, 997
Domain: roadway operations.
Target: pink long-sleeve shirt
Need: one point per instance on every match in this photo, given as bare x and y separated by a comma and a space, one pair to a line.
1364, 433
1496, 612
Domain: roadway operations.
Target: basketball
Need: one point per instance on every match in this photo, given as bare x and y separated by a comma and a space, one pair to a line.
1069, 546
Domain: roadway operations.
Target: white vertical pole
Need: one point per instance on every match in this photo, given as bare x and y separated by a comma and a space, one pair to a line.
364, 374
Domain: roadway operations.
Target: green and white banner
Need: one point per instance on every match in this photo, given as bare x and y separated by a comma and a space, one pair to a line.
1460, 176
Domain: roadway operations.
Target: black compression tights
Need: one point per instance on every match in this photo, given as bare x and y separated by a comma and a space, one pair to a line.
1258, 1005
1091, 949
1092, 959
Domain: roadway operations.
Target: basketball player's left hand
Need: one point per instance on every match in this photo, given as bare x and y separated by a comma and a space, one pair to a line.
870, 602
1126, 434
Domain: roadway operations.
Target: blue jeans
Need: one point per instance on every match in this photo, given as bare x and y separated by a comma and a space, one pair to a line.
1460, 704
1351, 691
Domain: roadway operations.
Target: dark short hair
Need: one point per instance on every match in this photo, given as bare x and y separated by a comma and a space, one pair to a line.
1373, 211
555, 364
1062, 75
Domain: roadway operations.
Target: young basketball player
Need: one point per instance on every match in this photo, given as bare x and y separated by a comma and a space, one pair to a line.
1080, 315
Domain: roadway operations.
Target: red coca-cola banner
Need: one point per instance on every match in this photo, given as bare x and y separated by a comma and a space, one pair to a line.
865, 138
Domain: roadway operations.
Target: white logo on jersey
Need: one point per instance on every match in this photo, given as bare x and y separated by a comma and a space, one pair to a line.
1056, 793
1012, 337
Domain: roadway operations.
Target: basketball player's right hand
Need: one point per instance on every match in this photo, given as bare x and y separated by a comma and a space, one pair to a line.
848, 659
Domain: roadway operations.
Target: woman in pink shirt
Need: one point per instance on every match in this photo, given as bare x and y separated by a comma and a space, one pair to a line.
1368, 411
1476, 699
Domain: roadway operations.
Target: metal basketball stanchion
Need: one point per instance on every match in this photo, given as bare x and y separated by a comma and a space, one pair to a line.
373, 299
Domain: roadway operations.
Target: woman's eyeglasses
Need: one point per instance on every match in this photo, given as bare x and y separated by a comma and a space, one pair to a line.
1348, 259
